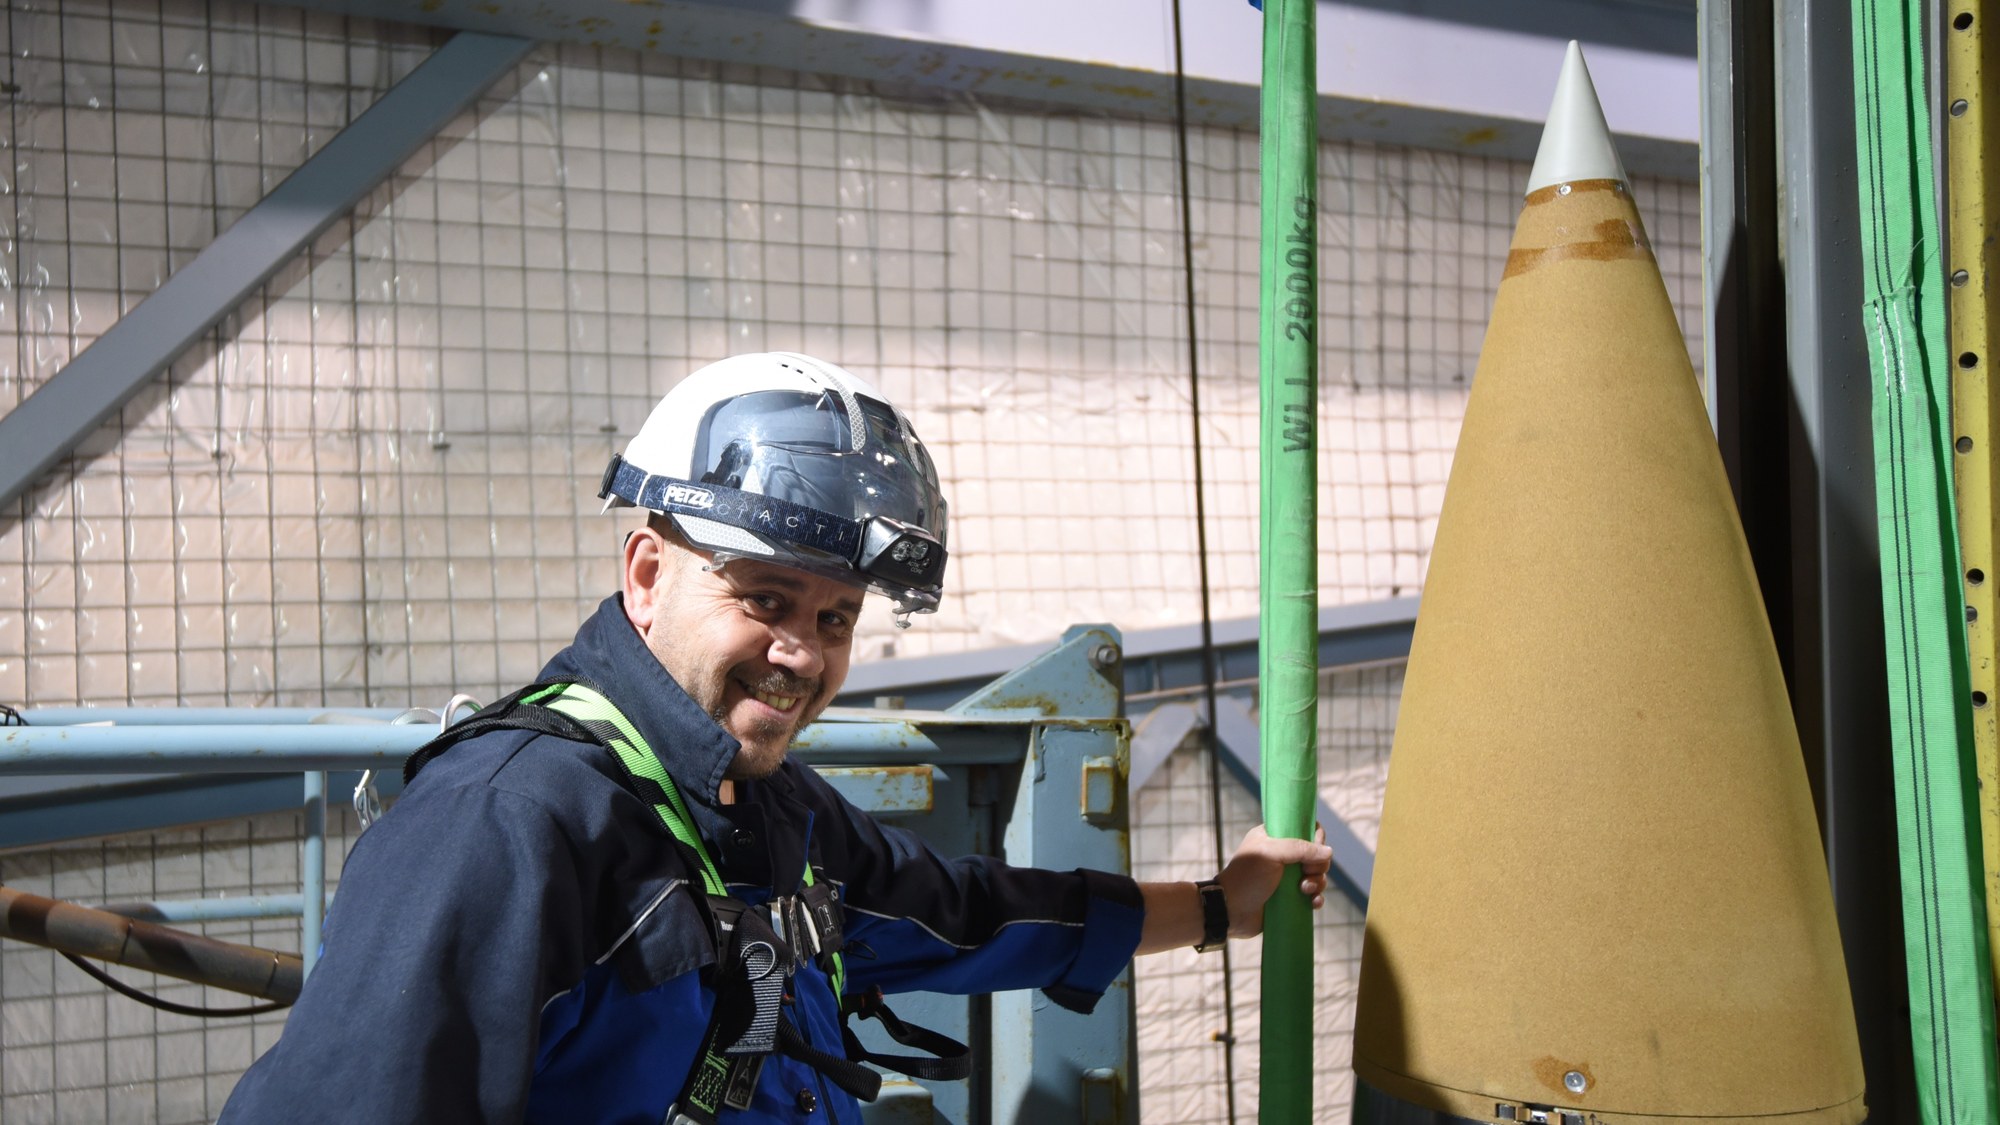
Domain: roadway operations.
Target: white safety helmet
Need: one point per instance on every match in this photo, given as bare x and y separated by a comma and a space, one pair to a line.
782, 457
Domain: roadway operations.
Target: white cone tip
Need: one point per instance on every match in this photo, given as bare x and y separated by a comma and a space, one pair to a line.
1576, 142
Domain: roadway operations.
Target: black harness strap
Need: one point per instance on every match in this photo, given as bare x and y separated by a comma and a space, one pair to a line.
953, 1059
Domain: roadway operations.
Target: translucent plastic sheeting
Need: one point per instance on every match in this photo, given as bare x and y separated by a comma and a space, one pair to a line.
376, 478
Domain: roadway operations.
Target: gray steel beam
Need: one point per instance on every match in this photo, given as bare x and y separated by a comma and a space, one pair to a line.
1156, 737
108, 373
1094, 57
1838, 676
1353, 860
1154, 660
1163, 730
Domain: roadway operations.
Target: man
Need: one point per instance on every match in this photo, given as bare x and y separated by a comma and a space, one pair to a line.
614, 897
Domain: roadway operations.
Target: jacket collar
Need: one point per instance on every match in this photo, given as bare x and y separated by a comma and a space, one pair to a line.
693, 747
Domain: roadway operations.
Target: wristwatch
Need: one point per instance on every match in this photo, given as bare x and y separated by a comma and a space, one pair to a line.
1214, 916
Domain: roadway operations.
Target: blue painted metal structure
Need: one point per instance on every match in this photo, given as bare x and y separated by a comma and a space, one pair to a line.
1055, 824
204, 716
145, 341
1154, 661
211, 909
1162, 670
1154, 665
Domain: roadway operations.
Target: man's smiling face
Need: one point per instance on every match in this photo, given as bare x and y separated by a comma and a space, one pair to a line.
761, 647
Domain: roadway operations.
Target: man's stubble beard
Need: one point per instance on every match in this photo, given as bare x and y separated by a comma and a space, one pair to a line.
765, 731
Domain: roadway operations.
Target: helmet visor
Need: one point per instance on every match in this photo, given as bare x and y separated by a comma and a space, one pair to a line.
808, 449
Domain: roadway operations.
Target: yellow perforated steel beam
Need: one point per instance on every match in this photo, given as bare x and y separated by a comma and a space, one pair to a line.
1972, 148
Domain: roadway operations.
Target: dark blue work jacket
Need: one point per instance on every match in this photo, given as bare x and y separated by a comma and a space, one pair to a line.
516, 940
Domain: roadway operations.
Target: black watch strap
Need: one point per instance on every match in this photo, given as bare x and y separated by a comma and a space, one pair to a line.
1214, 916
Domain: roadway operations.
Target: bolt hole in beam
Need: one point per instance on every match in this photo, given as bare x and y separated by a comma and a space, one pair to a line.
1975, 576
1962, 20
1979, 699
1958, 108
1960, 277
1968, 360
1965, 445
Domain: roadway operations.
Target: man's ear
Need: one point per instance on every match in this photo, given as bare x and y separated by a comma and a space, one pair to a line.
647, 574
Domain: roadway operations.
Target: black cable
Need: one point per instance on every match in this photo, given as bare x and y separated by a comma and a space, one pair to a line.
10, 717
1227, 1037
123, 989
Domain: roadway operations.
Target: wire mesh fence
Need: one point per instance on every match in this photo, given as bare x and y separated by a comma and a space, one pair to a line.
374, 483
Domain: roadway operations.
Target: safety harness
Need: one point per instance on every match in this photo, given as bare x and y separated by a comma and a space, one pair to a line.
757, 949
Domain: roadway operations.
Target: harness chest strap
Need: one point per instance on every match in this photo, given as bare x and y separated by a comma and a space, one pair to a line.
753, 962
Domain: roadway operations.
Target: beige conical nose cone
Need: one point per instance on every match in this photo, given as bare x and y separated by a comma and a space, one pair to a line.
1599, 885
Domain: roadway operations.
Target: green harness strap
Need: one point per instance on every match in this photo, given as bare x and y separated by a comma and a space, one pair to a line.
610, 726
616, 732
1944, 908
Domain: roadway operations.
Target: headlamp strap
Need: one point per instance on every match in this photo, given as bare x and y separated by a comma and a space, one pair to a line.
795, 523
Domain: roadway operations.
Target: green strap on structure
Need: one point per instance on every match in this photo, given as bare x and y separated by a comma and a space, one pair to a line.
587, 706
1944, 909
1288, 558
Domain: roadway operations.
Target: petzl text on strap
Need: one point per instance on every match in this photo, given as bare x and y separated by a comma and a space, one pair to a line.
797, 523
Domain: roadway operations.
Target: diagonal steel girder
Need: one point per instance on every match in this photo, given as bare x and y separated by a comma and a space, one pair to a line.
50, 423
1236, 737
1163, 730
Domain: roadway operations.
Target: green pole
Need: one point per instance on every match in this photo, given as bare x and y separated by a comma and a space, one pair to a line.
1288, 558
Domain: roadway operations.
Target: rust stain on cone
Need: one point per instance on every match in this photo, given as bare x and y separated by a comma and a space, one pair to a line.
1599, 865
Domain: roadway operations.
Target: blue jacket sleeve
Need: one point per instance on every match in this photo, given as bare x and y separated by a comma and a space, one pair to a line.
446, 937
916, 921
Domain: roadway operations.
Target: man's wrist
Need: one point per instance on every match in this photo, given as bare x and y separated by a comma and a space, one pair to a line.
1214, 915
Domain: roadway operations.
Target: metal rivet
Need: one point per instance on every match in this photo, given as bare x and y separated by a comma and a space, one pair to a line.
1104, 656
1575, 1082
1562, 190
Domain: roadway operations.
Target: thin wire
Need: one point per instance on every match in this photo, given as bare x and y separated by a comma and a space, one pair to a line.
148, 999
1208, 663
